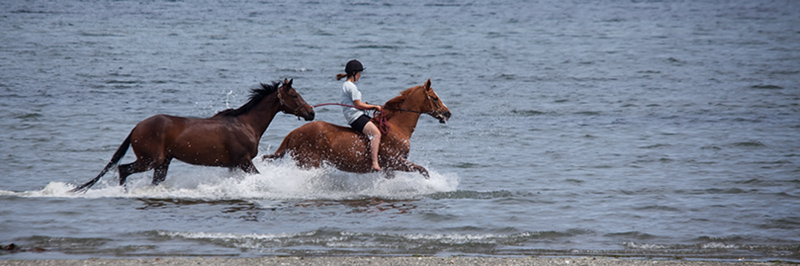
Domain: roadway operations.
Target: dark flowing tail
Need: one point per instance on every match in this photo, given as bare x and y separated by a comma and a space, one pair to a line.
123, 148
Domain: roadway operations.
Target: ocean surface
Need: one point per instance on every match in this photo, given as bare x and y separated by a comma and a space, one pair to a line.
666, 129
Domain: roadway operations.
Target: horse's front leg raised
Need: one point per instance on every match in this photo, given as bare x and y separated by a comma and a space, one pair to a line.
402, 164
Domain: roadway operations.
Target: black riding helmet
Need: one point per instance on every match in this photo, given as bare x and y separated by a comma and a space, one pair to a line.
353, 67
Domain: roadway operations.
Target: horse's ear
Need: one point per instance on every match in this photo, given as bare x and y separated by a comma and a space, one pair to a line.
290, 82
428, 84
285, 81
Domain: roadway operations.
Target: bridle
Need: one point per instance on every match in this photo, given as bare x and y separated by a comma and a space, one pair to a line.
382, 125
430, 100
283, 103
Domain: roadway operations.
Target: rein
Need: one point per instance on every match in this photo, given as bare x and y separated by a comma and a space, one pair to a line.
382, 125
339, 104
347, 105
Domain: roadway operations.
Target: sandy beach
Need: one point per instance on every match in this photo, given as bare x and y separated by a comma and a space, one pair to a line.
320, 261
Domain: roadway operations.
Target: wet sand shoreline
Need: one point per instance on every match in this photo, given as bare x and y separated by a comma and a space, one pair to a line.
319, 261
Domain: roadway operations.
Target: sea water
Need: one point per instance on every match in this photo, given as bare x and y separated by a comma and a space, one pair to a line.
631, 128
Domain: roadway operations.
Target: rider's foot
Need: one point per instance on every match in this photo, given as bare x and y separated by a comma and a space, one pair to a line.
376, 168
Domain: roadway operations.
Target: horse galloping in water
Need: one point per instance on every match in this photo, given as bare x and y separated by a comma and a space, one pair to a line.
228, 139
319, 142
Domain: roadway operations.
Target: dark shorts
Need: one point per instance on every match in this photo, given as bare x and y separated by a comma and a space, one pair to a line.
360, 122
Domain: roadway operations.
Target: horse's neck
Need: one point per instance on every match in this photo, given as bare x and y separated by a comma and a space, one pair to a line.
259, 118
405, 122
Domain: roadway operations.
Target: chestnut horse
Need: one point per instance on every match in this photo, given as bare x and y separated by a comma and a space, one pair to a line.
228, 139
316, 143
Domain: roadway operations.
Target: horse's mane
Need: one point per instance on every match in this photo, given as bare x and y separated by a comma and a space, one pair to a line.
256, 96
394, 104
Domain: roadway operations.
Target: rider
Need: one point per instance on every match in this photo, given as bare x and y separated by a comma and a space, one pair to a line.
356, 117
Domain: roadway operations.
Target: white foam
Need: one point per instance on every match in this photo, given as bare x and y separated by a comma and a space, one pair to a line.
340, 239
277, 180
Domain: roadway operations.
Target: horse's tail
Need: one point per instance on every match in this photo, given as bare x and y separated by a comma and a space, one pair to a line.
123, 148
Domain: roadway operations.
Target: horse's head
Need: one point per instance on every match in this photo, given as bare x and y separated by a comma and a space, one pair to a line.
435, 106
293, 103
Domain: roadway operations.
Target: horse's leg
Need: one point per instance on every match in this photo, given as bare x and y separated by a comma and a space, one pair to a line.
272, 157
160, 174
144, 162
248, 167
406, 166
128, 169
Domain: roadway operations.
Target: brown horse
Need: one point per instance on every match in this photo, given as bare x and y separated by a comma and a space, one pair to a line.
316, 143
228, 139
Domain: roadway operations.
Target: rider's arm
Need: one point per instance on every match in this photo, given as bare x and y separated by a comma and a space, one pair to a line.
366, 106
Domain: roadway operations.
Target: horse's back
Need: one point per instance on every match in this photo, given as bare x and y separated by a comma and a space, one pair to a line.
162, 119
321, 127
156, 124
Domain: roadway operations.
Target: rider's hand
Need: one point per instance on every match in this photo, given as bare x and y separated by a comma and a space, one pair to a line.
378, 108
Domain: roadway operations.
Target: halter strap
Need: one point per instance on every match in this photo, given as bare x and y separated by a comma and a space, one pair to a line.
280, 98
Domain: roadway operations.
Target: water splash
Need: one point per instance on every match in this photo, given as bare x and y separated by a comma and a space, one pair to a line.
278, 180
